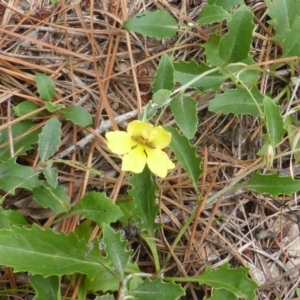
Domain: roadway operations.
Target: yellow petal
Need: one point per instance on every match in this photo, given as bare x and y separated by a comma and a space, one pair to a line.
159, 138
135, 160
138, 129
158, 162
119, 142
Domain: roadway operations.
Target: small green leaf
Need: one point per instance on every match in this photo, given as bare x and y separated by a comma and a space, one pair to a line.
164, 77
127, 206
161, 96
158, 24
53, 107
96, 206
221, 294
149, 111
185, 72
46, 288
234, 280
212, 50
77, 115
45, 86
186, 154
273, 184
24, 108
235, 45
211, 14
45, 252
49, 139
227, 5
143, 192
21, 145
237, 101
185, 113
157, 289
274, 122
13, 217
51, 176
291, 43
54, 198
13, 175
116, 251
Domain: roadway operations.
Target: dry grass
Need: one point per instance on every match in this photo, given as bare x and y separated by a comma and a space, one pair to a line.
107, 70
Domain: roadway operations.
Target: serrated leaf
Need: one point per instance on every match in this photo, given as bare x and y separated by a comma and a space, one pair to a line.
164, 77
237, 101
227, 5
185, 72
274, 122
54, 198
11, 217
161, 96
235, 45
273, 184
45, 86
186, 154
143, 192
158, 24
46, 288
21, 145
24, 108
127, 206
185, 113
154, 289
45, 252
291, 43
77, 115
49, 139
51, 176
116, 250
212, 50
13, 175
97, 207
234, 280
211, 14
283, 15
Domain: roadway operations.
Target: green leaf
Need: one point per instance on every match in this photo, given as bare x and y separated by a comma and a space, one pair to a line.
212, 50
4, 222
45, 86
273, 184
283, 15
77, 115
292, 131
143, 192
157, 289
105, 297
161, 96
291, 43
235, 45
187, 71
53, 107
45, 252
13, 175
13, 217
46, 288
227, 5
21, 145
234, 280
97, 207
24, 108
164, 77
51, 176
158, 24
55, 198
186, 154
185, 113
221, 294
49, 139
237, 101
274, 122
212, 13
149, 111
116, 250
127, 206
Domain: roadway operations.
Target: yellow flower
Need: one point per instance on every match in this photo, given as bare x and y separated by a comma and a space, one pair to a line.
142, 144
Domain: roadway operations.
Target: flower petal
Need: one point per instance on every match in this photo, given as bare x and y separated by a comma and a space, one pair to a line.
119, 142
159, 138
135, 160
158, 162
138, 129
